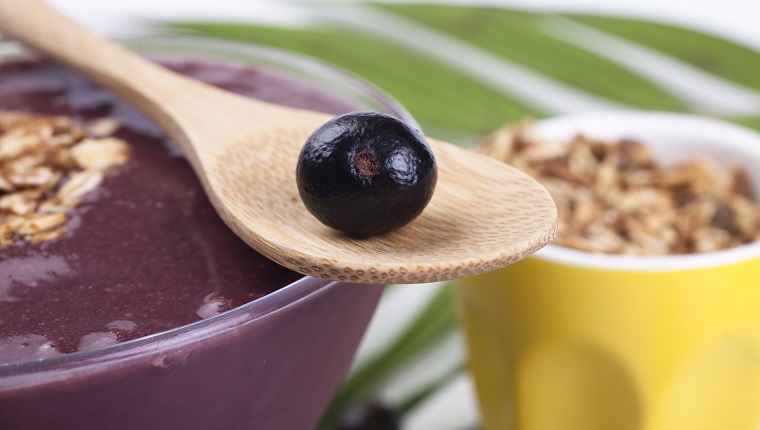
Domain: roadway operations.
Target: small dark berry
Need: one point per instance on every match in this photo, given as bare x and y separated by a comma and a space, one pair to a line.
366, 173
370, 416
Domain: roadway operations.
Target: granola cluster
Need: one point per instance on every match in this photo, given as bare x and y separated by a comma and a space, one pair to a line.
48, 164
614, 198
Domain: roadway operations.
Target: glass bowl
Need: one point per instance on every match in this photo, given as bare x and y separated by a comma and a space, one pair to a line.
273, 363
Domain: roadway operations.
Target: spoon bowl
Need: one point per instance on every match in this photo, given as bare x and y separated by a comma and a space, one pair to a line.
484, 215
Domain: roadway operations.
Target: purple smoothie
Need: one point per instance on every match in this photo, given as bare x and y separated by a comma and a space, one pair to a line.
147, 253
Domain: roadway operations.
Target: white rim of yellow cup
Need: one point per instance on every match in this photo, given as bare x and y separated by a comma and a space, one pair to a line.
673, 138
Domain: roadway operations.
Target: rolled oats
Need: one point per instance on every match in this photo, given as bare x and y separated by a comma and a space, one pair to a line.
48, 165
79, 184
99, 154
613, 197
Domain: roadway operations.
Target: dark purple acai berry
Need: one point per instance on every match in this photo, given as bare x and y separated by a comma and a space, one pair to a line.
370, 416
366, 173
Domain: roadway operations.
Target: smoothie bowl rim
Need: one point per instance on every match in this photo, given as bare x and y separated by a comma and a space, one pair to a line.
17, 373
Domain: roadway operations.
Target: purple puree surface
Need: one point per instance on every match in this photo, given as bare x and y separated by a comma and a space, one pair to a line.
146, 252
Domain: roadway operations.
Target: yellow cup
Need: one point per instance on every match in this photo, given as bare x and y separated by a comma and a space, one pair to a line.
570, 340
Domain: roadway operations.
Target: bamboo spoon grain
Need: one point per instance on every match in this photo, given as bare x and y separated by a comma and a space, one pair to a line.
483, 215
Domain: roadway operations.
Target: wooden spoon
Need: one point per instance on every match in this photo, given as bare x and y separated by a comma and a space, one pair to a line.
483, 215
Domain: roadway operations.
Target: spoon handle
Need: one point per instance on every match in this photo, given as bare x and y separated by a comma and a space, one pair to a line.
185, 109
37, 25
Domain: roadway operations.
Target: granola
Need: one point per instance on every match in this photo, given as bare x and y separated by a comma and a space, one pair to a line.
614, 197
48, 165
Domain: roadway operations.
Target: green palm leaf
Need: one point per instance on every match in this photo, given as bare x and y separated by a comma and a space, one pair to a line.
719, 56
443, 100
523, 37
